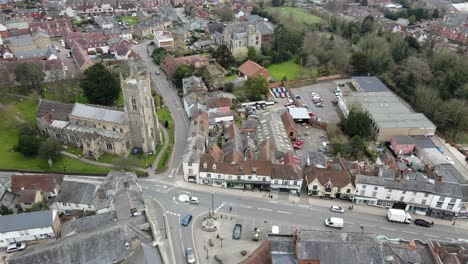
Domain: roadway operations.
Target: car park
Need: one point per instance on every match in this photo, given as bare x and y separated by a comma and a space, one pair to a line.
193, 200
337, 209
190, 256
236, 233
186, 220
422, 222
16, 247
334, 222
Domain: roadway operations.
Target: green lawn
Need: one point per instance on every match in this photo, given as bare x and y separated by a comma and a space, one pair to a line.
163, 160
230, 77
463, 139
130, 20
120, 100
9, 159
293, 13
163, 116
289, 69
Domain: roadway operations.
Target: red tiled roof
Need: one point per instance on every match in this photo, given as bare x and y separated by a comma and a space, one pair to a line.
250, 68
286, 172
215, 102
216, 152
43, 183
288, 121
337, 178
27, 196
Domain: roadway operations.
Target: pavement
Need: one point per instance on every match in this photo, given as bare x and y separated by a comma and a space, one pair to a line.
163, 149
223, 245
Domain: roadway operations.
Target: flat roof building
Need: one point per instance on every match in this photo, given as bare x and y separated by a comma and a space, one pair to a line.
369, 84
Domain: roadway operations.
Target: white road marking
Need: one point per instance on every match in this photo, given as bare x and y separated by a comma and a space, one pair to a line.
430, 235
303, 206
173, 199
273, 201
367, 225
410, 232
238, 205
349, 222
386, 228
181, 241
265, 209
283, 212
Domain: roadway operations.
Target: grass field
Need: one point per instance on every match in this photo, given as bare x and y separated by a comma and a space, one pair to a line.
230, 77
67, 91
163, 116
293, 13
9, 159
289, 69
463, 139
130, 20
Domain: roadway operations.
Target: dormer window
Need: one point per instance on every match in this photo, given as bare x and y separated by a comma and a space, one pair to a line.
214, 166
205, 165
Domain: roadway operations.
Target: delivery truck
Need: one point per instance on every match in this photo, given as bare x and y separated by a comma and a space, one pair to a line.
398, 215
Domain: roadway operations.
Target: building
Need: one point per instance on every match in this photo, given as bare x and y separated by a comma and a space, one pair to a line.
414, 193
217, 104
389, 115
290, 126
191, 159
402, 145
453, 27
164, 39
150, 27
103, 7
193, 84
55, 28
169, 64
251, 69
28, 227
98, 129
329, 183
35, 188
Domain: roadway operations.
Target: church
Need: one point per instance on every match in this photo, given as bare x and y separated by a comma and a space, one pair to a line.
100, 129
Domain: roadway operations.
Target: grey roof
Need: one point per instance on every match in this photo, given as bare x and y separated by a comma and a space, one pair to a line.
404, 140
88, 223
370, 84
21, 41
35, 53
402, 253
330, 247
25, 221
194, 148
450, 174
77, 192
316, 158
253, 18
271, 127
418, 184
98, 113
106, 245
423, 142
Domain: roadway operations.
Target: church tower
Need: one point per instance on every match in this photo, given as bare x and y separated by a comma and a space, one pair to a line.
140, 109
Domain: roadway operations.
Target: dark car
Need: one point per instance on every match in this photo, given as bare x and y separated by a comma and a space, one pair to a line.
186, 220
236, 233
422, 222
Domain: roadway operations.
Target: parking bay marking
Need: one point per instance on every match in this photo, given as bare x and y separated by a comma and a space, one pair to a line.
265, 209
386, 228
431, 235
367, 225
410, 232
282, 212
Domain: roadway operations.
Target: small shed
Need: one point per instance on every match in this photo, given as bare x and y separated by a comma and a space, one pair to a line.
299, 115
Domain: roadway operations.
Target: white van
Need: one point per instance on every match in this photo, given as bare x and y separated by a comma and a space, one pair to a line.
275, 229
334, 222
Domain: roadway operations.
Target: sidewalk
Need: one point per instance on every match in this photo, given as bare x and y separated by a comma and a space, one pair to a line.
312, 201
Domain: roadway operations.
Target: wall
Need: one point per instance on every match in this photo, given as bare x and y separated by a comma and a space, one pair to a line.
26, 235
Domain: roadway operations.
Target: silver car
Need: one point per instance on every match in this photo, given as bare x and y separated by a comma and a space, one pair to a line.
190, 256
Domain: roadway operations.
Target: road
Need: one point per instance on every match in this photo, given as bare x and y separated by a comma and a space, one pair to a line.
288, 216
173, 102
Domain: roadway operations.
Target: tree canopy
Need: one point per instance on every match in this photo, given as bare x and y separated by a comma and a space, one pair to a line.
255, 88
50, 149
224, 56
159, 54
100, 86
30, 73
29, 140
182, 71
357, 124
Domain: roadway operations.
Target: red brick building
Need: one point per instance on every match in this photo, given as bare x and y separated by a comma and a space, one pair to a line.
169, 64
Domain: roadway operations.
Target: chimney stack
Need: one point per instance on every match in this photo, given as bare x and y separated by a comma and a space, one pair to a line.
412, 245
438, 178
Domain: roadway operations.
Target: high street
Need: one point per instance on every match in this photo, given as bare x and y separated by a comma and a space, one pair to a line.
253, 210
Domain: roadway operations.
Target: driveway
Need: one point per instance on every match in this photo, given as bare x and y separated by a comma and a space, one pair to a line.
71, 70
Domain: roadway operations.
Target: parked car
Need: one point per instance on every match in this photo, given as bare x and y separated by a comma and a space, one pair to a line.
288, 104
311, 114
283, 89
337, 209
16, 247
319, 105
186, 220
295, 146
62, 42
157, 72
298, 97
283, 95
440, 149
69, 54
422, 222
315, 95
194, 200
236, 233
334, 222
190, 255
305, 106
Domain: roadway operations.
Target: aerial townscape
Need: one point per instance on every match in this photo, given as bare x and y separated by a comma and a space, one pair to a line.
233, 131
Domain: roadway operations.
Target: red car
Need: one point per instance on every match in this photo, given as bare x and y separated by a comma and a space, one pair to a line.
311, 114
283, 95
295, 146
289, 104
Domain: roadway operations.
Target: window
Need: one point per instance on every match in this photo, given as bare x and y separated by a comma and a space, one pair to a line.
439, 204
441, 198
426, 195
348, 190
401, 198
276, 182
404, 192
295, 182
58, 135
374, 194
219, 176
424, 202
121, 130
376, 188
453, 200
104, 127
314, 187
134, 106
264, 179
190, 171
364, 186
450, 206
387, 196
214, 166
109, 145
205, 165
113, 129
208, 175
250, 177
151, 132
414, 193
239, 178
94, 125
328, 189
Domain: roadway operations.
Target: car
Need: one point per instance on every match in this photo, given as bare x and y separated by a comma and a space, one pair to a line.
311, 114
319, 104
422, 222
236, 233
193, 200
62, 42
337, 209
277, 95
449, 160
298, 97
190, 255
334, 222
186, 220
299, 143
283, 95
288, 104
440, 149
305, 106
315, 95
16, 247
157, 72
283, 89
296, 146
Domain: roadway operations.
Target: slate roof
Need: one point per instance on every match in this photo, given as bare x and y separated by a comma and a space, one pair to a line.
419, 185
27, 196
423, 142
88, 223
317, 158
25, 221
403, 254
370, 84
215, 27
98, 113
53, 110
285, 172
35, 53
20, 41
331, 247
77, 192
404, 140
195, 146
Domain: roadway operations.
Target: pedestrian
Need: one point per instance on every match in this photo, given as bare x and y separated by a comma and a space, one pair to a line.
230, 209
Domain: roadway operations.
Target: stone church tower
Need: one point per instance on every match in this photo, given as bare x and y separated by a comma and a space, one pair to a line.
140, 109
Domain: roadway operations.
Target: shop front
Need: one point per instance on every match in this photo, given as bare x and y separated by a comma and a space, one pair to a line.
447, 215
235, 184
365, 200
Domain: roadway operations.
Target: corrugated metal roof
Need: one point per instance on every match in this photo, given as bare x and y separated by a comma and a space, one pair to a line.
98, 113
